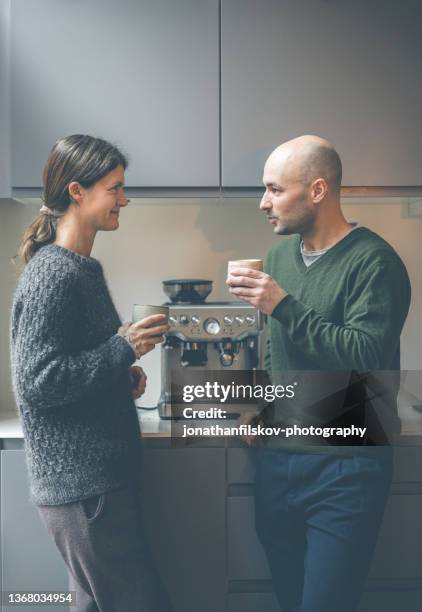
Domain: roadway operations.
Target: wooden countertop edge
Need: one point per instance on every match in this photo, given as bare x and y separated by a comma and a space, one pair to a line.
11, 428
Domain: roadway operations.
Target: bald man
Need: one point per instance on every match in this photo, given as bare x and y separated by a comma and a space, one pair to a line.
337, 296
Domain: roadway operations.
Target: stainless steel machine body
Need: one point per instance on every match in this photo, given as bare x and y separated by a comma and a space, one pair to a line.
215, 336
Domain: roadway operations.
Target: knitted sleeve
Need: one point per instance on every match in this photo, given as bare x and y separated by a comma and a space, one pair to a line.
47, 369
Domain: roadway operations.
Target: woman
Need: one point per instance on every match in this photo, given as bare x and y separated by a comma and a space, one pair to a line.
75, 383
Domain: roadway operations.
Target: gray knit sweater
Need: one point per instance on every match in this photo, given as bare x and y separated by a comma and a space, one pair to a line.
71, 381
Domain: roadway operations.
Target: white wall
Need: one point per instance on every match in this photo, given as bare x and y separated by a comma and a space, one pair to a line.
170, 239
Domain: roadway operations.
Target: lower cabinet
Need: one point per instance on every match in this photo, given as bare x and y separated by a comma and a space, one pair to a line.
199, 513
246, 557
30, 561
185, 502
395, 579
398, 555
371, 602
252, 602
184, 493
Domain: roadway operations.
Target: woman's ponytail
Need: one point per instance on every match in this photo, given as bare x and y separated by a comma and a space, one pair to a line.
41, 231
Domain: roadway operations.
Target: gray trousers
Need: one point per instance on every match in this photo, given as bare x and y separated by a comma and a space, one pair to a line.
105, 548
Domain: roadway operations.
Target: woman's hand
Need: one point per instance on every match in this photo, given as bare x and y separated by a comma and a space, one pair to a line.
148, 332
138, 381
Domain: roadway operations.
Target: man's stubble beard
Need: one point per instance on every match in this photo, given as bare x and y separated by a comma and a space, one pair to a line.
297, 226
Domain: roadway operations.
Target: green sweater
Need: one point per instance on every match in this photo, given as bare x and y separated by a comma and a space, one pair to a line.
344, 312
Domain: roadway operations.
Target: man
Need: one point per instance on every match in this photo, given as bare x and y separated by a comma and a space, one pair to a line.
336, 296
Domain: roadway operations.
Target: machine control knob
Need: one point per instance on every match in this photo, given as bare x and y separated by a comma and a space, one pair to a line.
239, 320
228, 319
212, 326
250, 320
172, 320
184, 319
195, 320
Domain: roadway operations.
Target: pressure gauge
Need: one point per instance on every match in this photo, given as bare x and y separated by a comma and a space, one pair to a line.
212, 326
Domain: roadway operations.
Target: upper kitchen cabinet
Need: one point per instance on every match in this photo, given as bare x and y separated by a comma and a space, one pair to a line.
143, 74
348, 71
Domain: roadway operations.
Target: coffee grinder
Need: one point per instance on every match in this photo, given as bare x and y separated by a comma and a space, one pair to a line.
215, 336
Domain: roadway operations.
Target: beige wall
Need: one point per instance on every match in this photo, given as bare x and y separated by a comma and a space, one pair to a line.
170, 239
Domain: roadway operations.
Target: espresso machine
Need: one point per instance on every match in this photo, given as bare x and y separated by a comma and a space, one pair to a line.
204, 336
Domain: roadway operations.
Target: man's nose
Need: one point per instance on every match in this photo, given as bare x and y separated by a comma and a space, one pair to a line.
265, 203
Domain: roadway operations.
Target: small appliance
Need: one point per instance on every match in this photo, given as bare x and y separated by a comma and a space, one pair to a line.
214, 336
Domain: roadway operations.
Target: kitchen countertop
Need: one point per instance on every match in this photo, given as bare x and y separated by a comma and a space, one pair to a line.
154, 427
151, 425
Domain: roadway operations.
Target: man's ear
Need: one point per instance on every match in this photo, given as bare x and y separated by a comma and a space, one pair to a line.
75, 191
319, 189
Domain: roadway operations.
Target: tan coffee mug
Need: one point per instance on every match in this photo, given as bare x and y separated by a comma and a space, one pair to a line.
141, 311
254, 264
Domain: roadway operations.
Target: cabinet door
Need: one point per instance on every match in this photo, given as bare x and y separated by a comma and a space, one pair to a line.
347, 71
246, 557
30, 560
371, 602
252, 602
184, 498
407, 465
397, 555
143, 74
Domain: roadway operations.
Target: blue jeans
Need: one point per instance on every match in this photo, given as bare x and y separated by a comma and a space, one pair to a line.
318, 518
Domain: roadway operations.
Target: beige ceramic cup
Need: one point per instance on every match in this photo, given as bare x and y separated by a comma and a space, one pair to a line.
141, 311
253, 264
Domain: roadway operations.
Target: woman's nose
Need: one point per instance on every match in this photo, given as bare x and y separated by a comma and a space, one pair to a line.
123, 200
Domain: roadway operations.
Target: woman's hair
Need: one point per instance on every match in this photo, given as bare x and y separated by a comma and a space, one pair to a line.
80, 158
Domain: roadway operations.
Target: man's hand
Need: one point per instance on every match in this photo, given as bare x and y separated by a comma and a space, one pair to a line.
248, 418
255, 287
138, 381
